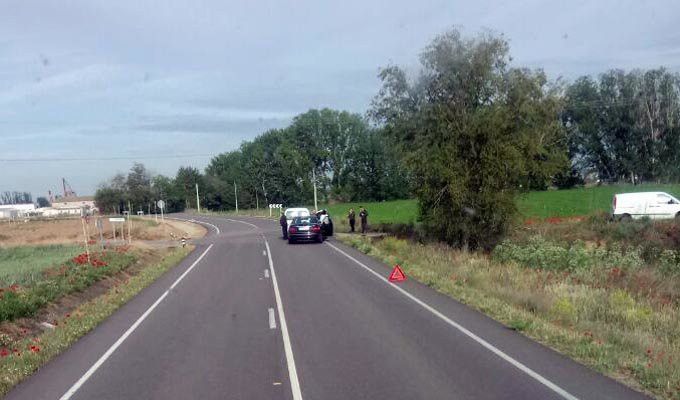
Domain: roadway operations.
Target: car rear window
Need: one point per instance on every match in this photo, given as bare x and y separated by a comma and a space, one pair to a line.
290, 214
305, 220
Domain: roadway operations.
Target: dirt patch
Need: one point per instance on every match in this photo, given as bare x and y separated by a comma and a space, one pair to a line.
70, 231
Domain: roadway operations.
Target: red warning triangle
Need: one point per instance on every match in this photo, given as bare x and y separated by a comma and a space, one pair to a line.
397, 274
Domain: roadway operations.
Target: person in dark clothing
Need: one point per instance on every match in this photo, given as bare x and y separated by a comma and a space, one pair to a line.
351, 216
363, 216
284, 225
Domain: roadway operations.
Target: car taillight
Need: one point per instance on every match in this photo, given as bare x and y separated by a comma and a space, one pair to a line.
316, 229
292, 229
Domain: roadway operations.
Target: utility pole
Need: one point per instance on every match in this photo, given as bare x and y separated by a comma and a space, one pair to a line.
198, 202
129, 223
236, 197
316, 206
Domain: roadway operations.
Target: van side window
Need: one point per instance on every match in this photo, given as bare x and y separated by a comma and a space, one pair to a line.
663, 199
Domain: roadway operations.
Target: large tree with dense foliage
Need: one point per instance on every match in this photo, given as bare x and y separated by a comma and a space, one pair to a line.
472, 131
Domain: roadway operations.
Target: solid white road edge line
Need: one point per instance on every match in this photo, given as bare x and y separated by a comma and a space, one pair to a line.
73, 389
272, 319
563, 393
217, 230
288, 349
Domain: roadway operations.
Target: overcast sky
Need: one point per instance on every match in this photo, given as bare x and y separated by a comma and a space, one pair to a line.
132, 80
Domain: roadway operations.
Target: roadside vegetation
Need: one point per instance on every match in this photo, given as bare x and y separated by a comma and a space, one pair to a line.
52, 292
24, 265
606, 294
23, 351
75, 274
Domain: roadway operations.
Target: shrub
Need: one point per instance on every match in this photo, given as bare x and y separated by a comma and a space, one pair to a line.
542, 254
564, 310
669, 262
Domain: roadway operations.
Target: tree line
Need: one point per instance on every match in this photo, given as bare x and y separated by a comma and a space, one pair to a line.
347, 158
10, 198
463, 135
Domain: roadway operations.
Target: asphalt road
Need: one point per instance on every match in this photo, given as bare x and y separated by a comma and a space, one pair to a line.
247, 316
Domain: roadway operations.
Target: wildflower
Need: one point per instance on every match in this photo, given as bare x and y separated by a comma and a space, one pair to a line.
4, 353
35, 349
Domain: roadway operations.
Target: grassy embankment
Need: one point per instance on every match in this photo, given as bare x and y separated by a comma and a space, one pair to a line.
22, 354
58, 284
605, 294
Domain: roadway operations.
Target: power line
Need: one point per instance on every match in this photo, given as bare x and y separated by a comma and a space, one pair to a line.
138, 157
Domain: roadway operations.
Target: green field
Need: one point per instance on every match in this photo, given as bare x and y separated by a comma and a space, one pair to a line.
581, 201
396, 211
550, 203
25, 264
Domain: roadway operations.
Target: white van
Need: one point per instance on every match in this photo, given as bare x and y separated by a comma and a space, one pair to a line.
291, 213
654, 205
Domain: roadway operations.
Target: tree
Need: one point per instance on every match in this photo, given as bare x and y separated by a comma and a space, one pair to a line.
139, 187
185, 183
42, 202
625, 126
164, 188
471, 131
110, 199
16, 198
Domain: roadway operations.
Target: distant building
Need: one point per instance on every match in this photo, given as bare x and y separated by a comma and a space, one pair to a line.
6, 213
13, 211
75, 203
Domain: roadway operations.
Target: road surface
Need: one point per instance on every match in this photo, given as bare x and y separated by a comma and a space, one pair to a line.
247, 316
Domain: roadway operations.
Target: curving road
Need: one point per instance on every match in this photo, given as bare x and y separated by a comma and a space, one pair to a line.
247, 316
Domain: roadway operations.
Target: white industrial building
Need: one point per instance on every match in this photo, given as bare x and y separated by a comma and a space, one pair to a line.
13, 211
61, 207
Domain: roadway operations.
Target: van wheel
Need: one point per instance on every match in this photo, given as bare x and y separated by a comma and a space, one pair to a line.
625, 218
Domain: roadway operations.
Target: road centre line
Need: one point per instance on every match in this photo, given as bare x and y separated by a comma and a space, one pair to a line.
73, 389
287, 347
552, 386
243, 222
272, 319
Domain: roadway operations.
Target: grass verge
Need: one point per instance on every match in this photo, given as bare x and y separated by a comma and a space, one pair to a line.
590, 315
19, 359
24, 265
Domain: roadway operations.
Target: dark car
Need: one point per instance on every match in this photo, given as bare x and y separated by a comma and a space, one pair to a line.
305, 229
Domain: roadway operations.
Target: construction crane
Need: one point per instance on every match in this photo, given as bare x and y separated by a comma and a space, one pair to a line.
68, 191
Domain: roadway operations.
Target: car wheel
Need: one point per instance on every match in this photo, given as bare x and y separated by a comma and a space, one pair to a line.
625, 218
319, 239
291, 241
330, 229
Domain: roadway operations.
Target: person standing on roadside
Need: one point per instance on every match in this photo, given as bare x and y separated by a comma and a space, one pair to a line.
284, 225
363, 216
351, 216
